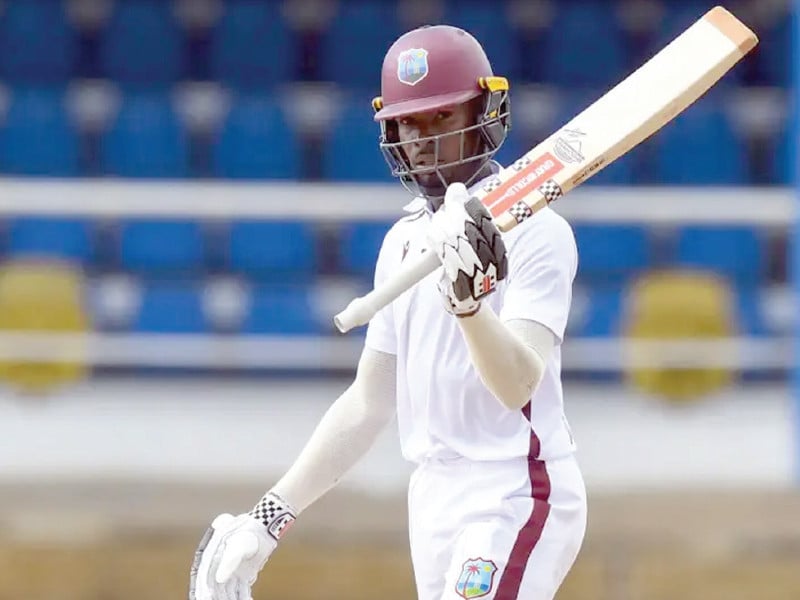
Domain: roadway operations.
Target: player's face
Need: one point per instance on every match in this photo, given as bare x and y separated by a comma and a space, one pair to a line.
421, 152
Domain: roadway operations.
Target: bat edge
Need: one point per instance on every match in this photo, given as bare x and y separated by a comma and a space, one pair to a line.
731, 27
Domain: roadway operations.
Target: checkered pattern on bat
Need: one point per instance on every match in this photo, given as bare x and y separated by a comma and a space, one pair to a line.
521, 163
551, 190
520, 211
275, 514
492, 184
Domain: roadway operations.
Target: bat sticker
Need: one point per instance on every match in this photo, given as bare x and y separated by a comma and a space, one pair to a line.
568, 146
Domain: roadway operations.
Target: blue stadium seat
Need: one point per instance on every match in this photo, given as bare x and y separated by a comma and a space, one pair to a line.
282, 309
359, 246
750, 312
737, 252
774, 54
162, 247
37, 137
354, 43
252, 45
612, 253
572, 101
676, 18
146, 139
700, 147
583, 46
515, 145
37, 43
142, 43
61, 238
256, 141
602, 315
488, 23
276, 250
351, 151
782, 169
170, 307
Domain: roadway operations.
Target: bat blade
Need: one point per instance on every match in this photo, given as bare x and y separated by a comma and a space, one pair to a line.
624, 117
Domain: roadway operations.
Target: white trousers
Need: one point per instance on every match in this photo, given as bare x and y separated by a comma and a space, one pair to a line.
506, 530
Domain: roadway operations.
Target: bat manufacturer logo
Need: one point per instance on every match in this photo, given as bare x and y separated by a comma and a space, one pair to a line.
517, 187
484, 285
568, 146
412, 66
281, 525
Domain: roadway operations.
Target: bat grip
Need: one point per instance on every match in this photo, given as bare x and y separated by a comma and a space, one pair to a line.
362, 309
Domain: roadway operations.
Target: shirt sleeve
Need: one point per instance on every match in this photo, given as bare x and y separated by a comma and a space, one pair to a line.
542, 262
381, 334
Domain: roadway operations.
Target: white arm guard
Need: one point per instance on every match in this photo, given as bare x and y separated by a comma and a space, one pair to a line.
347, 430
510, 358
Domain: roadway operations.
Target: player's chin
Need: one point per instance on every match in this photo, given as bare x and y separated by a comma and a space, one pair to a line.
431, 185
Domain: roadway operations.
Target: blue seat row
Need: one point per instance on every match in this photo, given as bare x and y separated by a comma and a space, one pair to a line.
617, 253
253, 42
605, 306
285, 310
278, 309
283, 250
294, 309
257, 140
265, 250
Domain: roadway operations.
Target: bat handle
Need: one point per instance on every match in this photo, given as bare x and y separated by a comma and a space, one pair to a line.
362, 309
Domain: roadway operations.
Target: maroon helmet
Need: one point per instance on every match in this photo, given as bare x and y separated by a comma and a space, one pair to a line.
433, 68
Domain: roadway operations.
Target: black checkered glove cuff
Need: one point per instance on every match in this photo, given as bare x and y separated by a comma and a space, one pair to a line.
275, 514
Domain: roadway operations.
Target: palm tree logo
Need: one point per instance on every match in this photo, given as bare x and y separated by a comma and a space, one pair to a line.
412, 65
476, 579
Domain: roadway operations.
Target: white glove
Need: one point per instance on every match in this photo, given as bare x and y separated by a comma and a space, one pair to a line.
234, 550
471, 249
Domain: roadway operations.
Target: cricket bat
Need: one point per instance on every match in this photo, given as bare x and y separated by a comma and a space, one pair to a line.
624, 117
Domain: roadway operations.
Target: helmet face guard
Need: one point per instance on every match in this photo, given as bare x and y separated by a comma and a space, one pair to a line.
490, 131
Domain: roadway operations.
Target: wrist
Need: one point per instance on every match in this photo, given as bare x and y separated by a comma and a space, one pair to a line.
471, 314
275, 514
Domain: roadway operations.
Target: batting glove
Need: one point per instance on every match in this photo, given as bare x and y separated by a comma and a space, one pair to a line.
235, 548
471, 249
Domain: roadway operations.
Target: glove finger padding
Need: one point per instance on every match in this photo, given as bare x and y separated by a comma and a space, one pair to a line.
488, 233
487, 243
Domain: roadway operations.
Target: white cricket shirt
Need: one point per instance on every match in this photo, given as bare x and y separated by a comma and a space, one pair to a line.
443, 408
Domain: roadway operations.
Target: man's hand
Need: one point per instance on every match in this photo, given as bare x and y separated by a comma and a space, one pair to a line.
234, 550
471, 250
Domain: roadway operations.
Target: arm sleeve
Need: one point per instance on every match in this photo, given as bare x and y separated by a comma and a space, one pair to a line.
381, 334
511, 357
542, 266
345, 433
534, 335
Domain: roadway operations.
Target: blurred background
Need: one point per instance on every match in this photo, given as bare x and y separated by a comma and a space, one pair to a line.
189, 190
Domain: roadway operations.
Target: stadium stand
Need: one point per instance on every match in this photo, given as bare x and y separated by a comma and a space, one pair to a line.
253, 54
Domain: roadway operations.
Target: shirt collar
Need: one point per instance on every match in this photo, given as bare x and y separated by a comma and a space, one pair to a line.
420, 202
